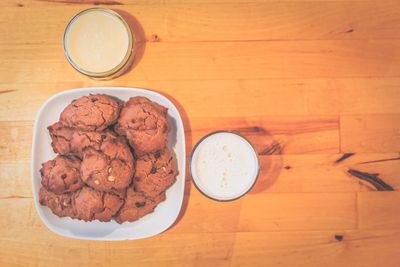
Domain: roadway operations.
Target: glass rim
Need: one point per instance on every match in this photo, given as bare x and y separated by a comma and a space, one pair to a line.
257, 161
121, 65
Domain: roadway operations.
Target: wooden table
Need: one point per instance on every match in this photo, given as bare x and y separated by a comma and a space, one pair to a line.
305, 81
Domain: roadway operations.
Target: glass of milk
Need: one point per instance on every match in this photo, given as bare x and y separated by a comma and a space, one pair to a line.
224, 165
99, 43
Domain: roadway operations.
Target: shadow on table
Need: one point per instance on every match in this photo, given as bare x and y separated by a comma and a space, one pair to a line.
139, 37
269, 151
188, 142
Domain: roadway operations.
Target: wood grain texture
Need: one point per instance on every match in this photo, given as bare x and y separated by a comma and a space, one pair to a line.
290, 211
300, 248
277, 135
370, 133
219, 60
111, 3
314, 173
15, 141
360, 248
305, 81
189, 21
269, 97
378, 203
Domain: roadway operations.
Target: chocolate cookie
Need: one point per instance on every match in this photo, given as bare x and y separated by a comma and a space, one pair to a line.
86, 204
91, 113
61, 175
111, 204
137, 205
145, 125
155, 173
93, 178
109, 168
121, 193
71, 141
60, 205
61, 138
82, 141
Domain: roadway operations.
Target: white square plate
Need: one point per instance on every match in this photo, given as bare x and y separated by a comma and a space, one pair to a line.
165, 213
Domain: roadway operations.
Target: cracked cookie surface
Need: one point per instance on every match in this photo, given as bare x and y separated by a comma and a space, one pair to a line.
93, 177
86, 204
71, 141
155, 173
137, 205
82, 141
111, 205
60, 205
61, 138
61, 175
91, 113
109, 168
145, 125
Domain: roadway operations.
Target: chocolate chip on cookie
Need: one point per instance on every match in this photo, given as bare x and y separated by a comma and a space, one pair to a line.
137, 205
155, 173
61, 175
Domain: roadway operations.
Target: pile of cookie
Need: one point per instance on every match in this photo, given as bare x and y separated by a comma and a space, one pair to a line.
112, 160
